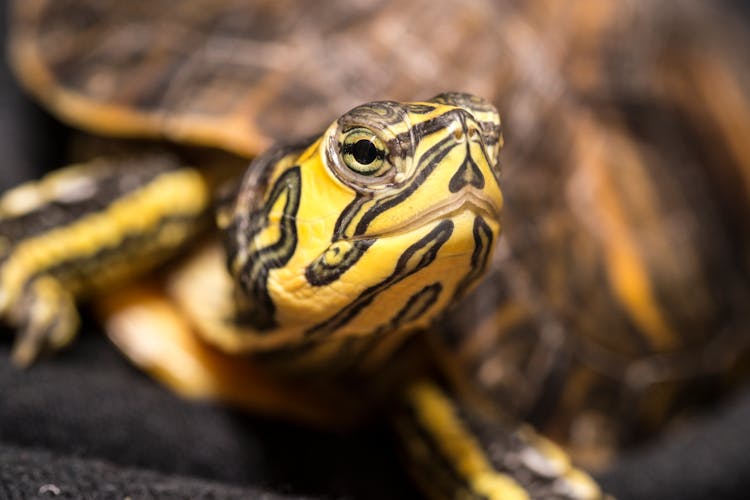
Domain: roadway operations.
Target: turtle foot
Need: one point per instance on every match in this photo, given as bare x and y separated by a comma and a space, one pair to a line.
46, 320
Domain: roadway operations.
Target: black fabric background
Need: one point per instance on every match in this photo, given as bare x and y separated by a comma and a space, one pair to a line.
87, 424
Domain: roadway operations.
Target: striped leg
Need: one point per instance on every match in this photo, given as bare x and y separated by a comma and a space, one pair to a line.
455, 452
85, 228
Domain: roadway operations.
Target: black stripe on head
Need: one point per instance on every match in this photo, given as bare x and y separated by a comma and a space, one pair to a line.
468, 174
408, 264
428, 127
479, 257
320, 272
433, 157
256, 303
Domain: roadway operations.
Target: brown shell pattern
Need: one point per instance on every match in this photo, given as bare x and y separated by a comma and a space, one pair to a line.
622, 279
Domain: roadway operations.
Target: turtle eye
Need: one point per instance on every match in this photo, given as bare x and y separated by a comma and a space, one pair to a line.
364, 152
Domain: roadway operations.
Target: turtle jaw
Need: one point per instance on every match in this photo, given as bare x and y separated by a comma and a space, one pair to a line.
468, 200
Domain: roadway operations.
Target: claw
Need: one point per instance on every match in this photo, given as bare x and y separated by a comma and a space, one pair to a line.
48, 320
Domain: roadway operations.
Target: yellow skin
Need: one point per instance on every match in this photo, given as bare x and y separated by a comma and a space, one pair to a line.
335, 250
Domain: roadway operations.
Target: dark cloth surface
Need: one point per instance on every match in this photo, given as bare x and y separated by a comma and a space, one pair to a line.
708, 459
45, 475
89, 403
85, 424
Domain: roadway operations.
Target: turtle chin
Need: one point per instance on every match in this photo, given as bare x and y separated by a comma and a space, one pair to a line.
437, 263
400, 280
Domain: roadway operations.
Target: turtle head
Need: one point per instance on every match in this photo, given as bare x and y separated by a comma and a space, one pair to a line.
376, 226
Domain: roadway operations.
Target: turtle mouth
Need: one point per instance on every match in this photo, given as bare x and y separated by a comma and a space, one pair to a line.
467, 200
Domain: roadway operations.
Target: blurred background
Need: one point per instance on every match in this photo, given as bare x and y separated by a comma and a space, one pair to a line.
623, 122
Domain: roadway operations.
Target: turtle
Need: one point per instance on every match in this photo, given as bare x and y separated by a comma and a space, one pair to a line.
615, 289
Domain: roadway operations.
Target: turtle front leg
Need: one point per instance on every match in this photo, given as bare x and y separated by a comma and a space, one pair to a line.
457, 450
84, 229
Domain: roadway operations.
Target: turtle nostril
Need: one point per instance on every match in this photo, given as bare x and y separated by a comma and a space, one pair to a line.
458, 134
473, 133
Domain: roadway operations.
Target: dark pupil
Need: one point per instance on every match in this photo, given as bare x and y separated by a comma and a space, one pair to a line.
364, 152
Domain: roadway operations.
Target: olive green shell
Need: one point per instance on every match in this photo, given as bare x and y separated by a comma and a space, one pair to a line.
622, 279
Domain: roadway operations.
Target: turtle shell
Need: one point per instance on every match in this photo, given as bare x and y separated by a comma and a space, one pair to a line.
623, 276
240, 74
